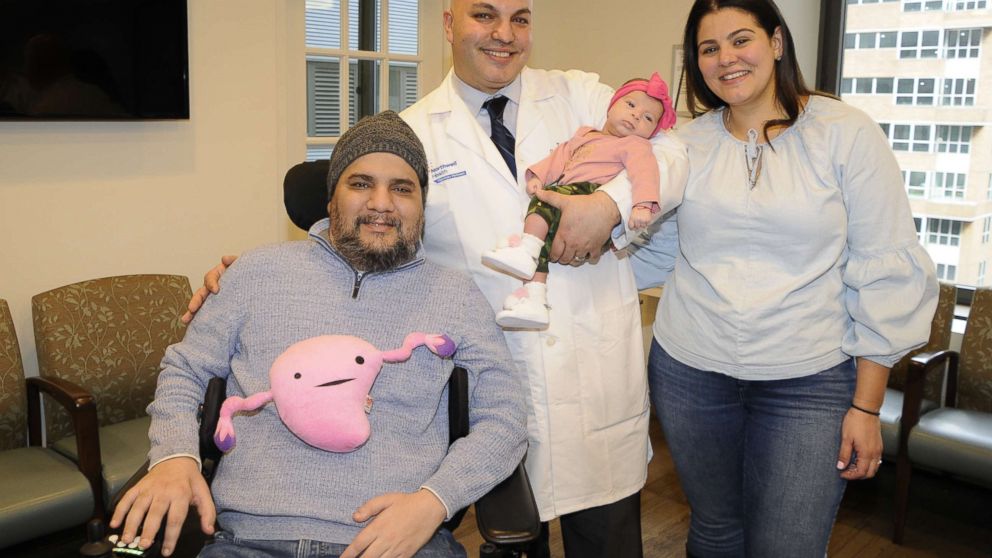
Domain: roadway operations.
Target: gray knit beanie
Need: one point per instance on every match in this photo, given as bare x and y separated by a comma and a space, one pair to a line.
385, 132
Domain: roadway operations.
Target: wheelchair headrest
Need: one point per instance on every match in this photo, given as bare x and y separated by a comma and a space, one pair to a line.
304, 193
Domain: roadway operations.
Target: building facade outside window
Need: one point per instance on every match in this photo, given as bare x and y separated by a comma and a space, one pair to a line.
936, 117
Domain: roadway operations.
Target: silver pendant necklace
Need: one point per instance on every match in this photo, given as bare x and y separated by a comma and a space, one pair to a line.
752, 158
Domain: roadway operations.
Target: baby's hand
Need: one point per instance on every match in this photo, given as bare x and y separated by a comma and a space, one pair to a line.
533, 185
640, 217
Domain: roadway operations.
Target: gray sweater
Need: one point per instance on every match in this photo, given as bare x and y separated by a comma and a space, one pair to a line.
274, 486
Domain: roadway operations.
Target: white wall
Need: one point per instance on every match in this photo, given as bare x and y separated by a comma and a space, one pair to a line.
81, 200
620, 40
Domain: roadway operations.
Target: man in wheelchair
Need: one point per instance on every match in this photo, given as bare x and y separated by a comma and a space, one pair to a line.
277, 332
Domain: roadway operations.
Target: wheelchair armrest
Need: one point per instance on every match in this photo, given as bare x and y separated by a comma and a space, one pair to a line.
81, 407
508, 514
209, 414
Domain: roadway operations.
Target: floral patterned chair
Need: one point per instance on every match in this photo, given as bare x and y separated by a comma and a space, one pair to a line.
940, 339
109, 335
956, 438
40, 490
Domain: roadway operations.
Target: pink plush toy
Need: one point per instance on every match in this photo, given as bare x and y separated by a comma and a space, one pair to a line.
321, 389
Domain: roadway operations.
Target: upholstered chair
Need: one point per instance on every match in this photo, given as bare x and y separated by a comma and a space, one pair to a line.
956, 438
41, 491
109, 335
940, 339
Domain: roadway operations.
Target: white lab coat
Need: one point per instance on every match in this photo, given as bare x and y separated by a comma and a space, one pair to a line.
588, 402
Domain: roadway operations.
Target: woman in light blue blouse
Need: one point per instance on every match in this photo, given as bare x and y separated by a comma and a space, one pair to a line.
798, 281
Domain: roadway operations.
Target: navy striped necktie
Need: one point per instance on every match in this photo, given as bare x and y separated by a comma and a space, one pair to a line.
501, 136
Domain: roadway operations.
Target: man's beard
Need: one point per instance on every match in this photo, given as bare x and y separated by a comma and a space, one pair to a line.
377, 255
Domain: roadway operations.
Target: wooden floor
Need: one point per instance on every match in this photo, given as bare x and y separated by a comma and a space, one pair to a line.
947, 518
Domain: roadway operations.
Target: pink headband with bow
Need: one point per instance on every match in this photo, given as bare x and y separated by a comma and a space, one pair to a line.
656, 88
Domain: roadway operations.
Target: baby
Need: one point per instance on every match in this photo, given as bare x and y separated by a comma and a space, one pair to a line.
637, 111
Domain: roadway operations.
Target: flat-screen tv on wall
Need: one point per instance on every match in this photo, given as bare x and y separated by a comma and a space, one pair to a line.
93, 60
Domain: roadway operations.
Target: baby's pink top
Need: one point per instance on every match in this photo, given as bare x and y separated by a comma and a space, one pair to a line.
597, 158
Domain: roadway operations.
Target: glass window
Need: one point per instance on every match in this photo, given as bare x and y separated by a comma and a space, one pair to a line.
947, 272
961, 5
337, 99
929, 44
921, 139
944, 232
323, 24
914, 91
916, 183
919, 44
883, 85
887, 39
953, 139
404, 25
323, 96
962, 43
986, 228
949, 185
958, 92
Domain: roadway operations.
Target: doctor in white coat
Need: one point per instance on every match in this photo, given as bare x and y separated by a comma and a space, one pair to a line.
588, 400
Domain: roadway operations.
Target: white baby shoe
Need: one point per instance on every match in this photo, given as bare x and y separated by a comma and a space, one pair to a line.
525, 308
516, 255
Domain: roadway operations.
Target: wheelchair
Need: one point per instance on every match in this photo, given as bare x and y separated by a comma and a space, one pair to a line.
507, 516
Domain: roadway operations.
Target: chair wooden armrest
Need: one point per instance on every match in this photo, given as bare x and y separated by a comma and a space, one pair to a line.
919, 367
82, 410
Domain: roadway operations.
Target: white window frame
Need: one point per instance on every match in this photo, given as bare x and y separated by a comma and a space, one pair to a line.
956, 138
949, 185
947, 272
965, 5
919, 48
945, 232
912, 143
980, 278
915, 96
850, 86
344, 55
957, 50
914, 6
963, 92
859, 39
914, 188
986, 229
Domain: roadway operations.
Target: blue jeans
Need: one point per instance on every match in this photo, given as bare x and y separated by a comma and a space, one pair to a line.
756, 459
226, 545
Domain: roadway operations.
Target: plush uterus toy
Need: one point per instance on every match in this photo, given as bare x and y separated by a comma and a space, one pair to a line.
320, 387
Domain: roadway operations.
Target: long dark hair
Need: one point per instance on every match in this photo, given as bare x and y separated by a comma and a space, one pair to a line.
789, 84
